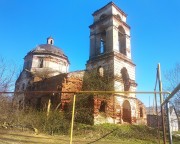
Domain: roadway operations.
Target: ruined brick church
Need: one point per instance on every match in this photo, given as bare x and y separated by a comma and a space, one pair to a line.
46, 68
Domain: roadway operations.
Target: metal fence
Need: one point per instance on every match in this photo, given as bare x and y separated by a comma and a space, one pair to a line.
13, 115
172, 120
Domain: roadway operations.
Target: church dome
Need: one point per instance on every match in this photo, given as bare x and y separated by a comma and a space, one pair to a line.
47, 49
47, 56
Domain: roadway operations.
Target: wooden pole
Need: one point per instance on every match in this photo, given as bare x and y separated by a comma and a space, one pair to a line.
72, 120
161, 101
49, 106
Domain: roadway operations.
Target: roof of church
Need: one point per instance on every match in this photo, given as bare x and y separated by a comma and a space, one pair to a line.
109, 4
48, 48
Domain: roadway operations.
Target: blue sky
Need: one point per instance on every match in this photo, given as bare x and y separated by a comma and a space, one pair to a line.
155, 32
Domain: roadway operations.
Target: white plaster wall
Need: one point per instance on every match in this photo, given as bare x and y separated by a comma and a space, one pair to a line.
119, 64
174, 121
107, 11
120, 100
115, 12
52, 62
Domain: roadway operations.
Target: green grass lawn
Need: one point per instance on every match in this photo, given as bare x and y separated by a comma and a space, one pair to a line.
18, 137
85, 134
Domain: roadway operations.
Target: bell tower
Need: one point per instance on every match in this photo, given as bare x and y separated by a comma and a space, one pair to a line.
110, 47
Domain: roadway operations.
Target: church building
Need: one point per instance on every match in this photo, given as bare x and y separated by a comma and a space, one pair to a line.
46, 69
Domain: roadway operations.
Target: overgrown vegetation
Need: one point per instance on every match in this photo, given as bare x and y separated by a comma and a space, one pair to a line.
93, 81
84, 109
7, 73
57, 123
37, 121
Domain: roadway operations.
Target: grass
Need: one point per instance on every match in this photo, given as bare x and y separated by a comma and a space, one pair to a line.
86, 134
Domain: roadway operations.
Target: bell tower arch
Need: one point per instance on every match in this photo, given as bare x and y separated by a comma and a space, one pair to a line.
110, 46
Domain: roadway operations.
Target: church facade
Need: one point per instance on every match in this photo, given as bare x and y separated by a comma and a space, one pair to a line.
46, 69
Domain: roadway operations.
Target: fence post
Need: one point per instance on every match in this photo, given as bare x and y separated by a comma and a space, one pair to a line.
72, 120
169, 123
48, 107
157, 117
161, 101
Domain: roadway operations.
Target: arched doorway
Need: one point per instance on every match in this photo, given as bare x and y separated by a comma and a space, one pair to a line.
126, 112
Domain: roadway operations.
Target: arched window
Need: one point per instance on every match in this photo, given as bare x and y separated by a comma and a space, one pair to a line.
141, 112
101, 71
41, 63
103, 42
122, 40
23, 86
126, 111
118, 17
38, 103
66, 107
103, 16
103, 106
20, 105
59, 87
29, 102
125, 78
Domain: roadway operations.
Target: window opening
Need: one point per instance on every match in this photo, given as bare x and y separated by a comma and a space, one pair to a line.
38, 103
20, 105
141, 112
23, 86
102, 16
102, 46
122, 40
41, 63
126, 111
125, 78
102, 106
101, 71
118, 16
66, 107
103, 42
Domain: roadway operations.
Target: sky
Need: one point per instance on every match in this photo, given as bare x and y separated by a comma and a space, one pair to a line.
155, 32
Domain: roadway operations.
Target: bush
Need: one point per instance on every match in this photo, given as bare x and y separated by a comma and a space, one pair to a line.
38, 120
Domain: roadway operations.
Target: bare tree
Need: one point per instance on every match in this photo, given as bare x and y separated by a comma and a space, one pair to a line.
173, 79
7, 74
7, 78
44, 73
